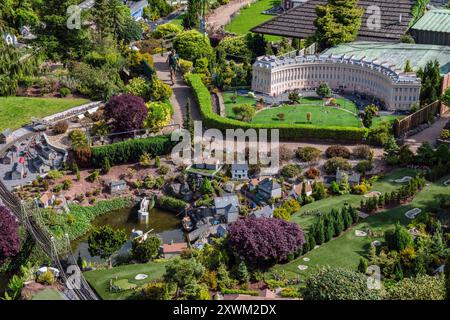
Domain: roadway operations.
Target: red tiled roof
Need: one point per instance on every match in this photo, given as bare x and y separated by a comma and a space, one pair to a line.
175, 247
298, 22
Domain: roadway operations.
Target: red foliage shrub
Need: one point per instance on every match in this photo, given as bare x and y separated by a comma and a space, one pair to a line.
9, 235
266, 241
338, 151
127, 112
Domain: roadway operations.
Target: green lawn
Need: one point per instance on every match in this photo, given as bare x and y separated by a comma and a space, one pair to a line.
251, 17
346, 250
99, 279
390, 118
47, 294
178, 20
239, 100
321, 116
18, 111
383, 185
296, 114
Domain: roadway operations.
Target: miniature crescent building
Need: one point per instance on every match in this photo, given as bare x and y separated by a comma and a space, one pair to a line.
396, 90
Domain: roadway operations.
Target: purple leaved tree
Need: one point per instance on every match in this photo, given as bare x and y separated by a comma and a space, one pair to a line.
127, 112
265, 240
9, 235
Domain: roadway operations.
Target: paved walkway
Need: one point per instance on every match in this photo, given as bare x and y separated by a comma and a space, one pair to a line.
430, 134
222, 15
181, 91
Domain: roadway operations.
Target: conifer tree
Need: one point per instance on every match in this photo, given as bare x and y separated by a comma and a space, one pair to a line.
354, 214
320, 231
398, 271
346, 218
362, 267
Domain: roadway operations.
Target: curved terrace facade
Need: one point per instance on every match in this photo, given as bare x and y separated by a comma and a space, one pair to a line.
395, 89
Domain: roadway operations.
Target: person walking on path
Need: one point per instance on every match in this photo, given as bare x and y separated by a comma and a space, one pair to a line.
172, 59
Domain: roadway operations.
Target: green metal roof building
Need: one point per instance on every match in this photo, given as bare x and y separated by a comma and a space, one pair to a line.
433, 28
396, 53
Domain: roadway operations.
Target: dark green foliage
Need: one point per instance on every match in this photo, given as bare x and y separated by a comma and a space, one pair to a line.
338, 21
192, 15
338, 284
431, 82
104, 241
447, 277
324, 90
241, 273
145, 250
206, 187
346, 217
399, 238
172, 204
338, 222
369, 113
130, 150
183, 272
398, 271
362, 266
425, 154
106, 166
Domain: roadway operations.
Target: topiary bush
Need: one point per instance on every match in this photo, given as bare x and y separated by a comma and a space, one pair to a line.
337, 151
64, 92
338, 284
332, 164
362, 152
308, 154
60, 127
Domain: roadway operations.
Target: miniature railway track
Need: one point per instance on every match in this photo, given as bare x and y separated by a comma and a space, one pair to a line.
78, 288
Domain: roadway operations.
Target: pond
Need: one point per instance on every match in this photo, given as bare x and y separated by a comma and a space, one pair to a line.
166, 224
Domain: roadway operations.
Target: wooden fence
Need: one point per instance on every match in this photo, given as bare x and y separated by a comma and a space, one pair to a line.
417, 118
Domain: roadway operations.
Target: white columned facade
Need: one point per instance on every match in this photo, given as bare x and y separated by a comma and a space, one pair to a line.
396, 89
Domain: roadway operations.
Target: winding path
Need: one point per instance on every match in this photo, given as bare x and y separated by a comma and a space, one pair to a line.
222, 15
430, 134
181, 91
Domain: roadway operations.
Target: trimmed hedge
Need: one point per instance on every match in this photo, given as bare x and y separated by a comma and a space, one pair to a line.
287, 131
131, 150
171, 204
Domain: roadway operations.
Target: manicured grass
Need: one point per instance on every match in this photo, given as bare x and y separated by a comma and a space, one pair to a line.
239, 100
325, 205
390, 119
251, 17
99, 279
346, 250
47, 294
296, 114
18, 111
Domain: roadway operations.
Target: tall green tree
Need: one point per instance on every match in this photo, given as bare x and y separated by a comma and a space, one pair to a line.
182, 272
104, 241
431, 82
57, 41
14, 66
191, 19
338, 21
